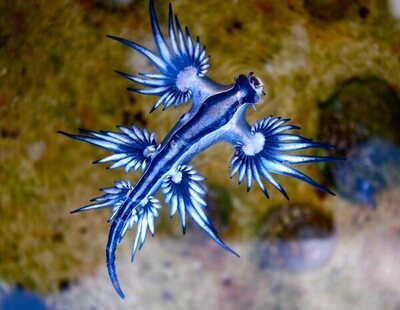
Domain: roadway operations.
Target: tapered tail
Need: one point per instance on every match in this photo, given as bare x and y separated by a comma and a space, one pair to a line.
130, 214
113, 240
125, 215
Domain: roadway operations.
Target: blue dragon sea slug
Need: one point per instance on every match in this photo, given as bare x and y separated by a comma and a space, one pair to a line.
217, 114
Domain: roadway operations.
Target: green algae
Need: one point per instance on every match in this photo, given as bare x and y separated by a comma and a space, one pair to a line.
362, 108
56, 73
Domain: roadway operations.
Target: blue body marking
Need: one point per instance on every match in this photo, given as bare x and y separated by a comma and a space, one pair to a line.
217, 114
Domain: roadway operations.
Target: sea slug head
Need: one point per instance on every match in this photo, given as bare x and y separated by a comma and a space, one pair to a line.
251, 88
256, 83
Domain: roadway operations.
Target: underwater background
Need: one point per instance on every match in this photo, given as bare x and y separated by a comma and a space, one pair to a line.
332, 66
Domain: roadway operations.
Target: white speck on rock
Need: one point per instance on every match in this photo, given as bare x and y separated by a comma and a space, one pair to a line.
35, 150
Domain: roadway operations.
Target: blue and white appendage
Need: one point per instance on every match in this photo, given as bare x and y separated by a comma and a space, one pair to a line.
184, 193
133, 147
143, 216
266, 154
181, 65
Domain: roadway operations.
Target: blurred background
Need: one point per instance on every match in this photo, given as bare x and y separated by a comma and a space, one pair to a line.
332, 66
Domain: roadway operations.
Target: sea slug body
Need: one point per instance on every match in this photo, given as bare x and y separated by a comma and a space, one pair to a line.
217, 114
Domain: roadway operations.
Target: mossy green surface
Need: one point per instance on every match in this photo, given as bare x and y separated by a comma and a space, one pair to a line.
362, 108
56, 73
